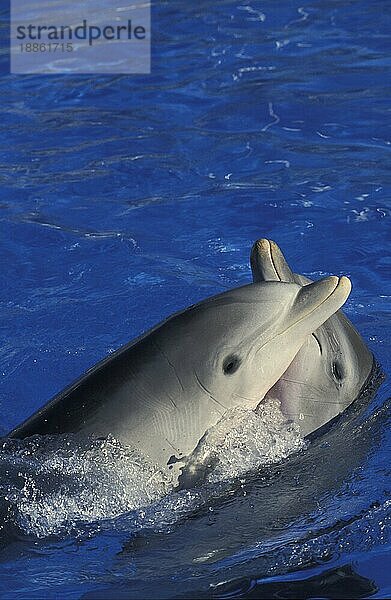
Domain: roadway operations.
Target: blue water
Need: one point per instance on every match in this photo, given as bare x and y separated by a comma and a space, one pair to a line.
126, 198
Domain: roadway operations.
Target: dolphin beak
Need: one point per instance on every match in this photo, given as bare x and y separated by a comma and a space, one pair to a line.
268, 262
312, 306
317, 301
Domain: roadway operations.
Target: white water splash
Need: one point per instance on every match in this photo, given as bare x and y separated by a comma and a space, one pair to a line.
244, 440
57, 483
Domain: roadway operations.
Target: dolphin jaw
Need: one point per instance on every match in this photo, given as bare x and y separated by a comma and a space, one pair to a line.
318, 301
313, 305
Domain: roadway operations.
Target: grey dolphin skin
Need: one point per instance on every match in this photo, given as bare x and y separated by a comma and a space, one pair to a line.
163, 391
330, 368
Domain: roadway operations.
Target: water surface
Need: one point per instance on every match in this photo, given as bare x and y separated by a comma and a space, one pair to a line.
124, 199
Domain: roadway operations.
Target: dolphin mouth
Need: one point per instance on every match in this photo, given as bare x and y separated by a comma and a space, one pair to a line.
316, 302
266, 258
313, 305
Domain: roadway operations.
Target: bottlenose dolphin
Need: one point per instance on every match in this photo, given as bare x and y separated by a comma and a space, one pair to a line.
163, 391
330, 368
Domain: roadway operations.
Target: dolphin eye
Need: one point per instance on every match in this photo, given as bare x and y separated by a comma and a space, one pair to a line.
231, 364
337, 371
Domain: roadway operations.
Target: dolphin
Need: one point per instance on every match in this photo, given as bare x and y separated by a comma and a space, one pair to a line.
331, 367
163, 391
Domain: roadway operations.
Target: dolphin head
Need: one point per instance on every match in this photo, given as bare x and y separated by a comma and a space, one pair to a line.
230, 350
333, 363
248, 337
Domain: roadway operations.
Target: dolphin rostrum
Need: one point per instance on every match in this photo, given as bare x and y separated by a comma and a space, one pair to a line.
163, 391
332, 365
